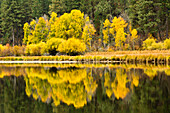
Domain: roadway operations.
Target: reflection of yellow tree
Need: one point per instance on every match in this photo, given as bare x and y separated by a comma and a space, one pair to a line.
5, 71
90, 85
151, 73
118, 86
135, 80
71, 93
107, 84
73, 76
38, 88
68, 85
167, 72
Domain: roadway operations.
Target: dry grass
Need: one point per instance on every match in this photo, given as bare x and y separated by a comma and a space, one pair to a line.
121, 53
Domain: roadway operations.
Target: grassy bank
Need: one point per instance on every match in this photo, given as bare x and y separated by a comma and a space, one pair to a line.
159, 57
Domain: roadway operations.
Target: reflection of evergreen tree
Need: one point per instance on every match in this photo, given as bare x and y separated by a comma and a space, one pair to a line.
14, 99
149, 97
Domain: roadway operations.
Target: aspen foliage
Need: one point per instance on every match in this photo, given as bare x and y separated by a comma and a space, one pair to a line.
36, 49
116, 29
106, 31
148, 42
167, 43
118, 26
88, 32
36, 32
70, 25
26, 32
60, 29
53, 22
72, 46
133, 36
52, 45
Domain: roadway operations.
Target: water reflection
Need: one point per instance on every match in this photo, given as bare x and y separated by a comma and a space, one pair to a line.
91, 88
71, 86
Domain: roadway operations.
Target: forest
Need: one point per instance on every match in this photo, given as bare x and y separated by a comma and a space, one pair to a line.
36, 27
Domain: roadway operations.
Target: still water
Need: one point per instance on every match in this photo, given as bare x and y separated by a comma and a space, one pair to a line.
74, 88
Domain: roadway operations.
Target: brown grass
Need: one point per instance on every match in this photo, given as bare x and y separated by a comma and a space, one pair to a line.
122, 53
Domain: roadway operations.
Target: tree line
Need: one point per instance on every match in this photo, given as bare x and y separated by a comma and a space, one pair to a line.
146, 16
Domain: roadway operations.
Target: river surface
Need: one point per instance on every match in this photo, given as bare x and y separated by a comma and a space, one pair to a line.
84, 88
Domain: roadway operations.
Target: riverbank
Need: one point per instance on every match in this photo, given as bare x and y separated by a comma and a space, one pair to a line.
140, 57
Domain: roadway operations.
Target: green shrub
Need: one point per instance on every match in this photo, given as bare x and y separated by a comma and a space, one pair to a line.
167, 44
72, 46
52, 45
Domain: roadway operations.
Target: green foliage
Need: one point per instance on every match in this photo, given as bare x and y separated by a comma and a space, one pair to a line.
52, 45
72, 46
143, 14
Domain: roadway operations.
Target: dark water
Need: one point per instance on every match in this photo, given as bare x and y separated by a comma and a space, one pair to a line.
84, 89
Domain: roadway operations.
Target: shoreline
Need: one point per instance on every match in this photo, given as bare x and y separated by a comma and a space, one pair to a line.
139, 59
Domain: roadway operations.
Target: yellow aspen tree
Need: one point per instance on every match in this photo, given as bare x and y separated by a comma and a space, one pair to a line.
41, 30
106, 31
52, 22
32, 31
38, 31
26, 32
120, 37
70, 25
118, 25
88, 32
133, 35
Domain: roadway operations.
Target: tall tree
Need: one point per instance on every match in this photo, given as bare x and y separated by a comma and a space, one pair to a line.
148, 16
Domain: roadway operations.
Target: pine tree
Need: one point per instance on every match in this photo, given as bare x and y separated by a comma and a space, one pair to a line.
143, 15
57, 6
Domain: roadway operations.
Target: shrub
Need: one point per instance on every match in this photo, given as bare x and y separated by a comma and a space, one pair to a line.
19, 50
167, 43
148, 43
6, 50
35, 49
156, 46
52, 45
72, 46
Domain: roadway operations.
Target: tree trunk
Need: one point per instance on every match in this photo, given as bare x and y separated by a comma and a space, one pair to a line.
13, 36
159, 32
167, 23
